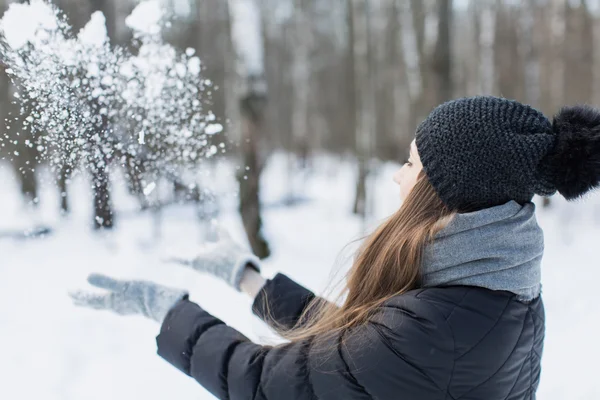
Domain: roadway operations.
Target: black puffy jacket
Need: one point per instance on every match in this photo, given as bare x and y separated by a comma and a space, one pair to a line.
455, 342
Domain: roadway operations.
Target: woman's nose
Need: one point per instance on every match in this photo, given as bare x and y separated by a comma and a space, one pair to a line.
396, 176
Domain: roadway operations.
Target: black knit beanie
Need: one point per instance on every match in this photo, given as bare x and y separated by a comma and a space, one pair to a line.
483, 151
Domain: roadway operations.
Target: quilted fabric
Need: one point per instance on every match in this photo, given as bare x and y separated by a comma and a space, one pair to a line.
458, 342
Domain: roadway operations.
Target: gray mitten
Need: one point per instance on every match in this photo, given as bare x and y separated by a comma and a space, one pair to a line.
223, 258
130, 297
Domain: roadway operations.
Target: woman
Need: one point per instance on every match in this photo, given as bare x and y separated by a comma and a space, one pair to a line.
443, 298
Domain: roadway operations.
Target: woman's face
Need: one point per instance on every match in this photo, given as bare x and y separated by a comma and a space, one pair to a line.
406, 176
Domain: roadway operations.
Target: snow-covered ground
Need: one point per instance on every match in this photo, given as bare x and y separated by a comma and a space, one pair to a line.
50, 349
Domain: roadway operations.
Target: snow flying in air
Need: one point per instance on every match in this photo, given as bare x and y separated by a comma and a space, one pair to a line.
89, 102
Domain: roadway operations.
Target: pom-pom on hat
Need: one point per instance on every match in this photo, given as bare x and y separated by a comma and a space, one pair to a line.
482, 151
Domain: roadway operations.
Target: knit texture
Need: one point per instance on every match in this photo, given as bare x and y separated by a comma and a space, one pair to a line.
498, 248
129, 297
483, 151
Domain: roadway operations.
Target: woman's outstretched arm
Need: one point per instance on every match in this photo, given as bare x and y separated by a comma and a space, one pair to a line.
386, 358
280, 299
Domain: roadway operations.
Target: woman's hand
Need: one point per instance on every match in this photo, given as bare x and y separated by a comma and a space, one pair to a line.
222, 258
130, 297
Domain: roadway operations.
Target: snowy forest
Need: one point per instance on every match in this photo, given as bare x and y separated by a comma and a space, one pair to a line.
282, 119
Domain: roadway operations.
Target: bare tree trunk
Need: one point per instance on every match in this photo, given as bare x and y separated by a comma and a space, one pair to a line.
596, 61
418, 14
301, 44
579, 53
441, 60
360, 26
487, 83
556, 57
24, 164
401, 96
99, 160
103, 216
392, 100
249, 180
557, 26
413, 23
64, 175
25, 159
20, 149
134, 172
247, 39
472, 50
530, 54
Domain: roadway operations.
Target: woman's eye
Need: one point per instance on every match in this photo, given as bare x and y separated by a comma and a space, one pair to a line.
407, 162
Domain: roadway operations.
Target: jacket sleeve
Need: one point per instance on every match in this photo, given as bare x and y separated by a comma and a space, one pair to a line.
285, 298
374, 361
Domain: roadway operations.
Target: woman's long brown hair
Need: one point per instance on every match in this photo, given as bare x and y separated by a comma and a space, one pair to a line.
387, 264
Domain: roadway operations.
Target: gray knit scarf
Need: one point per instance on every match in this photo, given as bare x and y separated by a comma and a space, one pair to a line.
498, 248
